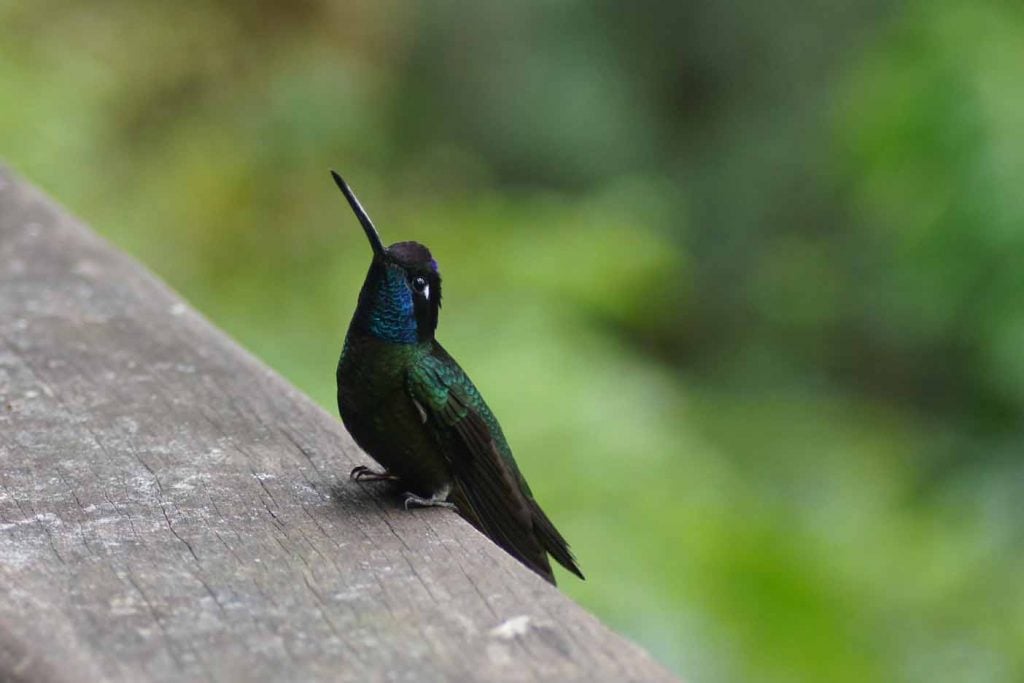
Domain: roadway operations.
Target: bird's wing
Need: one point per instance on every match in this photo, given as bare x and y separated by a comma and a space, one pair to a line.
487, 490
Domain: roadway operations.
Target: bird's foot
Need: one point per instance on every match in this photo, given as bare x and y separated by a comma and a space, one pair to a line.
364, 473
435, 501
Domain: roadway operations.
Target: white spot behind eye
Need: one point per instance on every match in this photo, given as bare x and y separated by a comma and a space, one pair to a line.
421, 286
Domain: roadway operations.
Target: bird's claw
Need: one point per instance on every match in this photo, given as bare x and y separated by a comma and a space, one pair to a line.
364, 473
411, 499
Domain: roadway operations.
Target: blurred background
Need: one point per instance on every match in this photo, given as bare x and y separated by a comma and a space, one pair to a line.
742, 280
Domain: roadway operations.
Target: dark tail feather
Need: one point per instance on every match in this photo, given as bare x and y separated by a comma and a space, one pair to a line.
514, 539
553, 541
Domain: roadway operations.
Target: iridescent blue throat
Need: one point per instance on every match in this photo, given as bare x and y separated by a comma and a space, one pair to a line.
387, 309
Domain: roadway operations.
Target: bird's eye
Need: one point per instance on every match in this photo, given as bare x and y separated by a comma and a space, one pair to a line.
419, 284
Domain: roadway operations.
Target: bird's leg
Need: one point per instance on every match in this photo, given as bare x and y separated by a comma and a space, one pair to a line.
438, 500
364, 473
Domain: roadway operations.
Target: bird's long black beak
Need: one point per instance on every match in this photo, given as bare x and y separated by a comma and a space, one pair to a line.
360, 212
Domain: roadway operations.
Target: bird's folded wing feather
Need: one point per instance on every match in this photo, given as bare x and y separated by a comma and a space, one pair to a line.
483, 479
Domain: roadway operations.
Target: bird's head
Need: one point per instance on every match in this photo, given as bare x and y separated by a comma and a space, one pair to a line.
401, 295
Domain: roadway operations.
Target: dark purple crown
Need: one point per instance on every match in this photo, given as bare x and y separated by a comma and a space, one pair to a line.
412, 255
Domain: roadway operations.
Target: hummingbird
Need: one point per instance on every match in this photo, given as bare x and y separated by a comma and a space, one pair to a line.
413, 409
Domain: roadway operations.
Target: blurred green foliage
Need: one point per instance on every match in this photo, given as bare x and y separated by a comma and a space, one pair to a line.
742, 280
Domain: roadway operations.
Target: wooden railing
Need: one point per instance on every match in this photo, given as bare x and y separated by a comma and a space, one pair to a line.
173, 510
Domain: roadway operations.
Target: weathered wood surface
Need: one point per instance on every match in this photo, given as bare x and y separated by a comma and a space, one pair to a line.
172, 510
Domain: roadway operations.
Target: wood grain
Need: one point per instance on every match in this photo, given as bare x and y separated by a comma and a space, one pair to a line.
172, 510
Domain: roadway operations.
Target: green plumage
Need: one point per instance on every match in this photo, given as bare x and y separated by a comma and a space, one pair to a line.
410, 406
